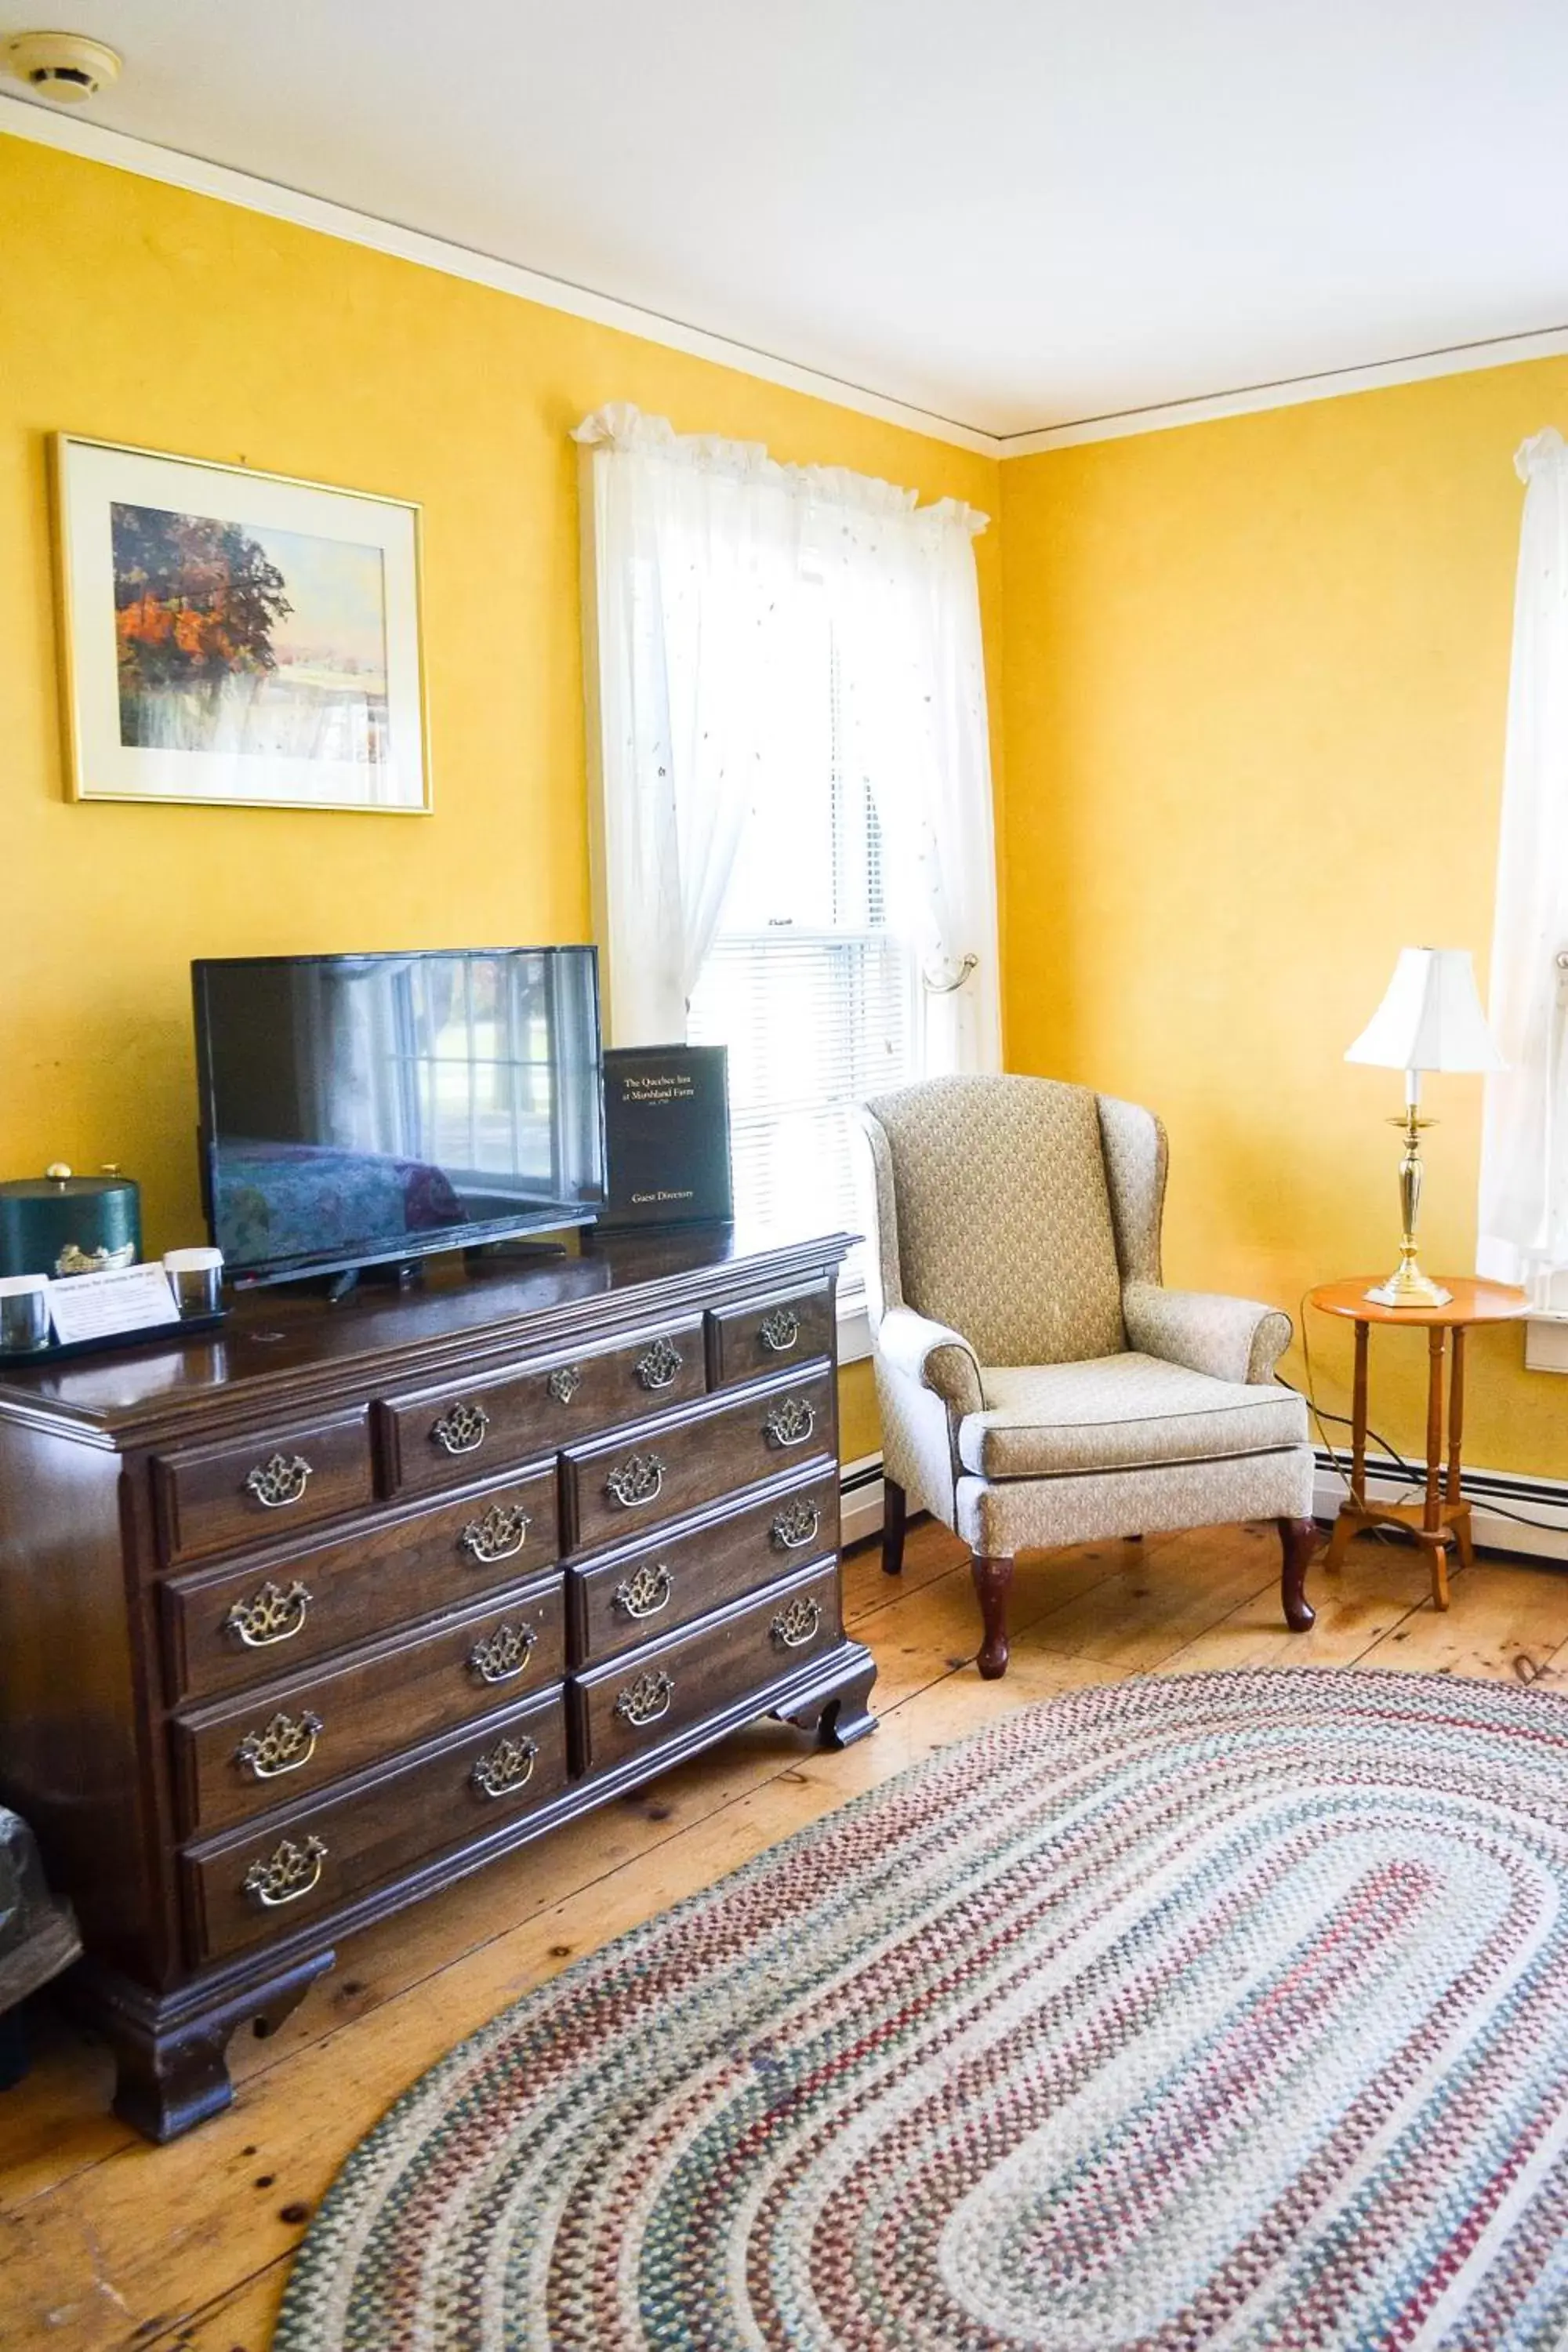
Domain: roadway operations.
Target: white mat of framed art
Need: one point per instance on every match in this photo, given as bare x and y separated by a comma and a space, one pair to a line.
237, 638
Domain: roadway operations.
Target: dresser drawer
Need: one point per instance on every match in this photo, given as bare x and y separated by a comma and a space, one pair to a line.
252, 1490
618, 1485
229, 1627
788, 1328
235, 1761
637, 1702
439, 1435
642, 1591
279, 1876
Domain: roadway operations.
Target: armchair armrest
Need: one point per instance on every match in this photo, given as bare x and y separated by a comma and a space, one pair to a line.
1230, 1339
934, 1354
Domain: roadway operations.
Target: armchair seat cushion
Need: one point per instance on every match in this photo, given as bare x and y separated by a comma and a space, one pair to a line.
1120, 1413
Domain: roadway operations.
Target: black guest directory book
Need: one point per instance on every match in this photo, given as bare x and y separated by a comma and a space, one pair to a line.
667, 1136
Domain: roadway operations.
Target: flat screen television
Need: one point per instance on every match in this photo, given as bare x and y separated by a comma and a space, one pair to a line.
359, 1109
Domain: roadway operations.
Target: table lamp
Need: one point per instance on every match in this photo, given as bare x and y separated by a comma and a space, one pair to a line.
1430, 1019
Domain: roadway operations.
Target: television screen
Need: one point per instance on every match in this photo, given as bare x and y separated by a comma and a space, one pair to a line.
357, 1108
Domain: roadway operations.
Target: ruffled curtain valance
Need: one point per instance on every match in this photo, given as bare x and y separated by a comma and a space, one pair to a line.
622, 427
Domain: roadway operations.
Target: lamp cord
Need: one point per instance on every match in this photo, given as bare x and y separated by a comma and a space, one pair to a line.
1405, 1470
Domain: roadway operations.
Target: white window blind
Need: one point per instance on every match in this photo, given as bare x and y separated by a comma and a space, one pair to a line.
809, 983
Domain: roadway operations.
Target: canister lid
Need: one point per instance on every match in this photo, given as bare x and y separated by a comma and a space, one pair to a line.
19, 1286
58, 1183
191, 1260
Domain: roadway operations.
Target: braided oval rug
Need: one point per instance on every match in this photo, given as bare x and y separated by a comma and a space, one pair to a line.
1226, 2011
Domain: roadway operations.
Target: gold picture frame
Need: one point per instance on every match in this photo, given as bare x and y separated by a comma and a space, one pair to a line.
237, 639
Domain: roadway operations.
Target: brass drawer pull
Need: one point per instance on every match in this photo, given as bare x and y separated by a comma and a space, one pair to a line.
658, 1365
280, 1482
499, 1535
269, 1615
790, 1422
646, 1593
779, 1331
289, 1872
647, 1700
564, 1383
795, 1528
508, 1768
793, 1627
288, 1742
461, 1429
502, 1655
639, 1479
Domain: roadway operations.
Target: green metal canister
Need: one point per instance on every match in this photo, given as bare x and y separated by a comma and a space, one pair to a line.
57, 1223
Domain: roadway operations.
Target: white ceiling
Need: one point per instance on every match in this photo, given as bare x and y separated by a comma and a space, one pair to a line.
1011, 214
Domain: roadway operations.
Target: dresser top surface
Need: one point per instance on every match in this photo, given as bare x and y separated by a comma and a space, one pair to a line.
279, 1341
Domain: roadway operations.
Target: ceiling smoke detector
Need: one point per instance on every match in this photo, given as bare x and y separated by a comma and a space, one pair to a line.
65, 66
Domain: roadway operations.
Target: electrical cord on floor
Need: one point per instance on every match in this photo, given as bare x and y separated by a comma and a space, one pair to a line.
1405, 1470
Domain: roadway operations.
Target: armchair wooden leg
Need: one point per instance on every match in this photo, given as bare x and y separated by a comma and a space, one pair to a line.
992, 1579
895, 1507
1298, 1541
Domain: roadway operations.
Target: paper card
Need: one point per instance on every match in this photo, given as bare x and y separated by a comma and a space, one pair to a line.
96, 1306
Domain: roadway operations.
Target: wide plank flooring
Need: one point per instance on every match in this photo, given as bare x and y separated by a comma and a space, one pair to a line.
106, 2244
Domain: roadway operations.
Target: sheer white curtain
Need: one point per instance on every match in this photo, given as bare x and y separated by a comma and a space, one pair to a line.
703, 552
903, 593
1525, 1156
693, 549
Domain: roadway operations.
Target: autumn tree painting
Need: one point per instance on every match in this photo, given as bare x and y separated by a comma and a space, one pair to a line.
195, 604
236, 637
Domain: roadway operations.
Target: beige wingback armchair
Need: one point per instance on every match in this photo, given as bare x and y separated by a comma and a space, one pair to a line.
1038, 1384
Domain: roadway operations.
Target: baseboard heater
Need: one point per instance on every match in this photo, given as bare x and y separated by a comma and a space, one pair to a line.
1543, 1501
860, 1498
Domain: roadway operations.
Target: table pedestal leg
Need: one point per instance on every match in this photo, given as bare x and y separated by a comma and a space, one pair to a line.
1345, 1526
1458, 1509
1433, 1534
1442, 1516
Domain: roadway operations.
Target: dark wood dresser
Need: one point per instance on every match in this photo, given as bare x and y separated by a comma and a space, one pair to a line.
303, 1621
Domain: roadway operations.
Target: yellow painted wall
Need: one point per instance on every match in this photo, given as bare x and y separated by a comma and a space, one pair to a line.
139, 313
1254, 686
1252, 701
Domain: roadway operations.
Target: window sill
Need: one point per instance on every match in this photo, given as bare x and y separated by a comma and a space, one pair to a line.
855, 1329
1546, 1341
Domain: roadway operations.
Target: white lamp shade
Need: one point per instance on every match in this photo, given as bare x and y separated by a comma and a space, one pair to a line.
1430, 1017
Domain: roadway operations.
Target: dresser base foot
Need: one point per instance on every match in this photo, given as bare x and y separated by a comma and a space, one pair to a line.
172, 2055
837, 1709
850, 1717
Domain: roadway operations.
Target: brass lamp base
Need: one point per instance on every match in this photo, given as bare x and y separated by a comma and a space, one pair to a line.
1408, 1286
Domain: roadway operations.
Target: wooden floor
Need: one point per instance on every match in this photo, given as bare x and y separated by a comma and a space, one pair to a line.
108, 2242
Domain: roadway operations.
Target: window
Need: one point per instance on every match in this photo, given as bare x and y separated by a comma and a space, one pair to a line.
1523, 1221
808, 983
793, 852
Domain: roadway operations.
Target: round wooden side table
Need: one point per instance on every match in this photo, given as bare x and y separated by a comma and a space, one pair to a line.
1443, 1515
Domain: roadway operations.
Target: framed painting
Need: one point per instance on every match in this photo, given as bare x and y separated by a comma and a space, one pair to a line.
237, 638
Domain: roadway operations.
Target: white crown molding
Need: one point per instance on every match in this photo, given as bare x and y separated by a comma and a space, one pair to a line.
23, 118
1334, 383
